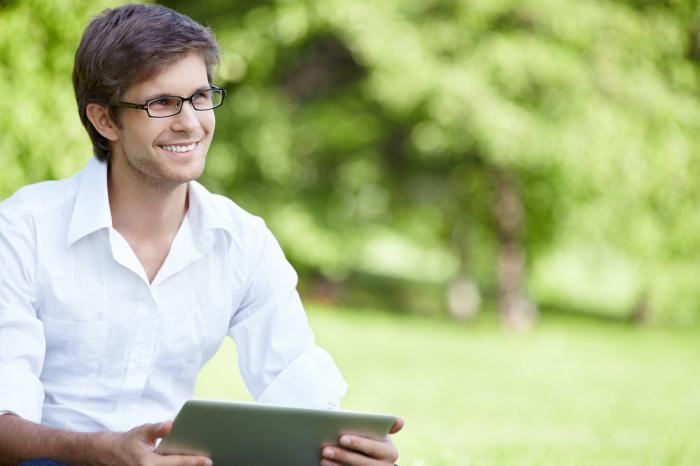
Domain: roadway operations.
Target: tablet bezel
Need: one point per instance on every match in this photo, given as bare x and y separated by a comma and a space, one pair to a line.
256, 434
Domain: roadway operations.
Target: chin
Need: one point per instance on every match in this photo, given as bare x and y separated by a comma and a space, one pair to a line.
168, 177
188, 171
185, 176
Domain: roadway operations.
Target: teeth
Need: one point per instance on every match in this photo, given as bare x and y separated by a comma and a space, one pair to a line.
179, 148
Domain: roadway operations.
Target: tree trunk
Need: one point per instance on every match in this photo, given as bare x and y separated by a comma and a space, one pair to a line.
642, 310
694, 43
516, 309
462, 295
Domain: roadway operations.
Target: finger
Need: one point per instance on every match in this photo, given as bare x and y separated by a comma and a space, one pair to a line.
149, 433
398, 425
325, 462
379, 449
165, 429
180, 460
348, 457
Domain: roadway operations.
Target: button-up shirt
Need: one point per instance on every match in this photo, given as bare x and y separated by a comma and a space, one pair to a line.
87, 343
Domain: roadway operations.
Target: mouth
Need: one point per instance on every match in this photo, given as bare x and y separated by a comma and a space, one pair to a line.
180, 148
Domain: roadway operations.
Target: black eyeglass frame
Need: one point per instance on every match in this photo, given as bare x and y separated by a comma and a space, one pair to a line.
144, 106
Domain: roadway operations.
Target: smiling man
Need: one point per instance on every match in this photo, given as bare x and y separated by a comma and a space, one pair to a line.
118, 284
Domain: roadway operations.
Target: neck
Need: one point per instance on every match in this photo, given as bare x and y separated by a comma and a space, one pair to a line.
141, 210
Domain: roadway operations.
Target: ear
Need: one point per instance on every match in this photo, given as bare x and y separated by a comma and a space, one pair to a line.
99, 117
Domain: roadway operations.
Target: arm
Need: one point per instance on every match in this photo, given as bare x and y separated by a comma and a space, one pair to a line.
22, 351
278, 356
22, 440
271, 317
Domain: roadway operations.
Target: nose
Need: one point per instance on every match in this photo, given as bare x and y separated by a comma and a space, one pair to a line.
187, 119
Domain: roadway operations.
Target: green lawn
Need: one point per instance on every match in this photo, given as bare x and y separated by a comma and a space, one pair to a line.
571, 392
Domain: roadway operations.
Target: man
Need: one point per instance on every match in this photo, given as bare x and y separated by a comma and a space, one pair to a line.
118, 284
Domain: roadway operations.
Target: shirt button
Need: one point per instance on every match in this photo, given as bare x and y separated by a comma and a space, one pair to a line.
140, 364
150, 304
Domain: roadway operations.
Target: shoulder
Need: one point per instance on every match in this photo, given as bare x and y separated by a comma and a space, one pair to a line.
222, 212
244, 229
39, 199
235, 214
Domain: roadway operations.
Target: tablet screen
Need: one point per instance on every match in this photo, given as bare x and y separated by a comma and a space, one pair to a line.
253, 434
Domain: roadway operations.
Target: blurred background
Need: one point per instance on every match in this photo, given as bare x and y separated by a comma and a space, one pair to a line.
493, 205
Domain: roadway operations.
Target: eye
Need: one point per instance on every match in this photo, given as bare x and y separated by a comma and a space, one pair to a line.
164, 102
202, 98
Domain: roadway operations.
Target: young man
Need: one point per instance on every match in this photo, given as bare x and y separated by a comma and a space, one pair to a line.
118, 284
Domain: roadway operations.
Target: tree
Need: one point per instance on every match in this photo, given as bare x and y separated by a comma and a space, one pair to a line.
42, 136
543, 150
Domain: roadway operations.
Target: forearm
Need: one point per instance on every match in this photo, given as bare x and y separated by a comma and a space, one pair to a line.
21, 440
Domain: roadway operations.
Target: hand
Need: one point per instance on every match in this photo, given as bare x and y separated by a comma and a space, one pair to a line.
362, 451
136, 447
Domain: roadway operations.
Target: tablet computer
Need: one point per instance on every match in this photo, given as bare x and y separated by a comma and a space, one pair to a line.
254, 434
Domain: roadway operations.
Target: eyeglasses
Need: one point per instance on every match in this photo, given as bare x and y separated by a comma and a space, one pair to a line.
170, 105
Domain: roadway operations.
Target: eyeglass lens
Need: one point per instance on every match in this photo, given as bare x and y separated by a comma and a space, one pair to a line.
170, 105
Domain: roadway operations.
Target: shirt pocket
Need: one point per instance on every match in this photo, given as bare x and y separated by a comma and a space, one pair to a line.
74, 353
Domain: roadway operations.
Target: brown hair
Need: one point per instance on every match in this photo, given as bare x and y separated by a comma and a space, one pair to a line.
124, 45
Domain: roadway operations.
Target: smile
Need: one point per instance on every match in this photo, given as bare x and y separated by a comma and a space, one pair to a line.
179, 147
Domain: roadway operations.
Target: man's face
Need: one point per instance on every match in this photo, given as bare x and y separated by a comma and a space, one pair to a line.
165, 152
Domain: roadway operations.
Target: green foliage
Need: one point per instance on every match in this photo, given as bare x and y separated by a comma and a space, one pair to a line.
376, 115
42, 135
352, 122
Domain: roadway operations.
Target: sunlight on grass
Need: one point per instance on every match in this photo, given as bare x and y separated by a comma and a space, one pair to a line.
569, 393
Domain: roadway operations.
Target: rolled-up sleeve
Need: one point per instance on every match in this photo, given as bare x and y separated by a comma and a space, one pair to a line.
22, 343
278, 357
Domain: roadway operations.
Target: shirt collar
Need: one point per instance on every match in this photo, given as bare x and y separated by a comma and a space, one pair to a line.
91, 209
205, 214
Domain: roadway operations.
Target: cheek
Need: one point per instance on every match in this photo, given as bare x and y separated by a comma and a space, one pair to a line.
143, 134
208, 123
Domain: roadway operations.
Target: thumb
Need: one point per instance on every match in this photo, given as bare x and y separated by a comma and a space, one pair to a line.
151, 432
398, 425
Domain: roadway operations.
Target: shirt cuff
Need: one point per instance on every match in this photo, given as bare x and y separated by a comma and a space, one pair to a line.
312, 380
26, 397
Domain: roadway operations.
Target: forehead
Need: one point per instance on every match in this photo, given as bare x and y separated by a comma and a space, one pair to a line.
182, 77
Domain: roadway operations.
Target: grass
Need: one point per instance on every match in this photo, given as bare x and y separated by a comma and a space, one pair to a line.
570, 392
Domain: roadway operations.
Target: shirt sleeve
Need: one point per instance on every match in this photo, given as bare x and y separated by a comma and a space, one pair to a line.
278, 357
22, 343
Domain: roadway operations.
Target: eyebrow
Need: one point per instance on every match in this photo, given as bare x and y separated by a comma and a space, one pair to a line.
156, 95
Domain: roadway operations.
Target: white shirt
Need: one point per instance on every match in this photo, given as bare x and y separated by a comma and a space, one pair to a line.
87, 344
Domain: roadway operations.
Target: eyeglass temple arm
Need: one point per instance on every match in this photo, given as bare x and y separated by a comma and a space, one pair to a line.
130, 105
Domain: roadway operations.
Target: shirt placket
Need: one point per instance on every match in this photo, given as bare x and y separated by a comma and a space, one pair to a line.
141, 354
